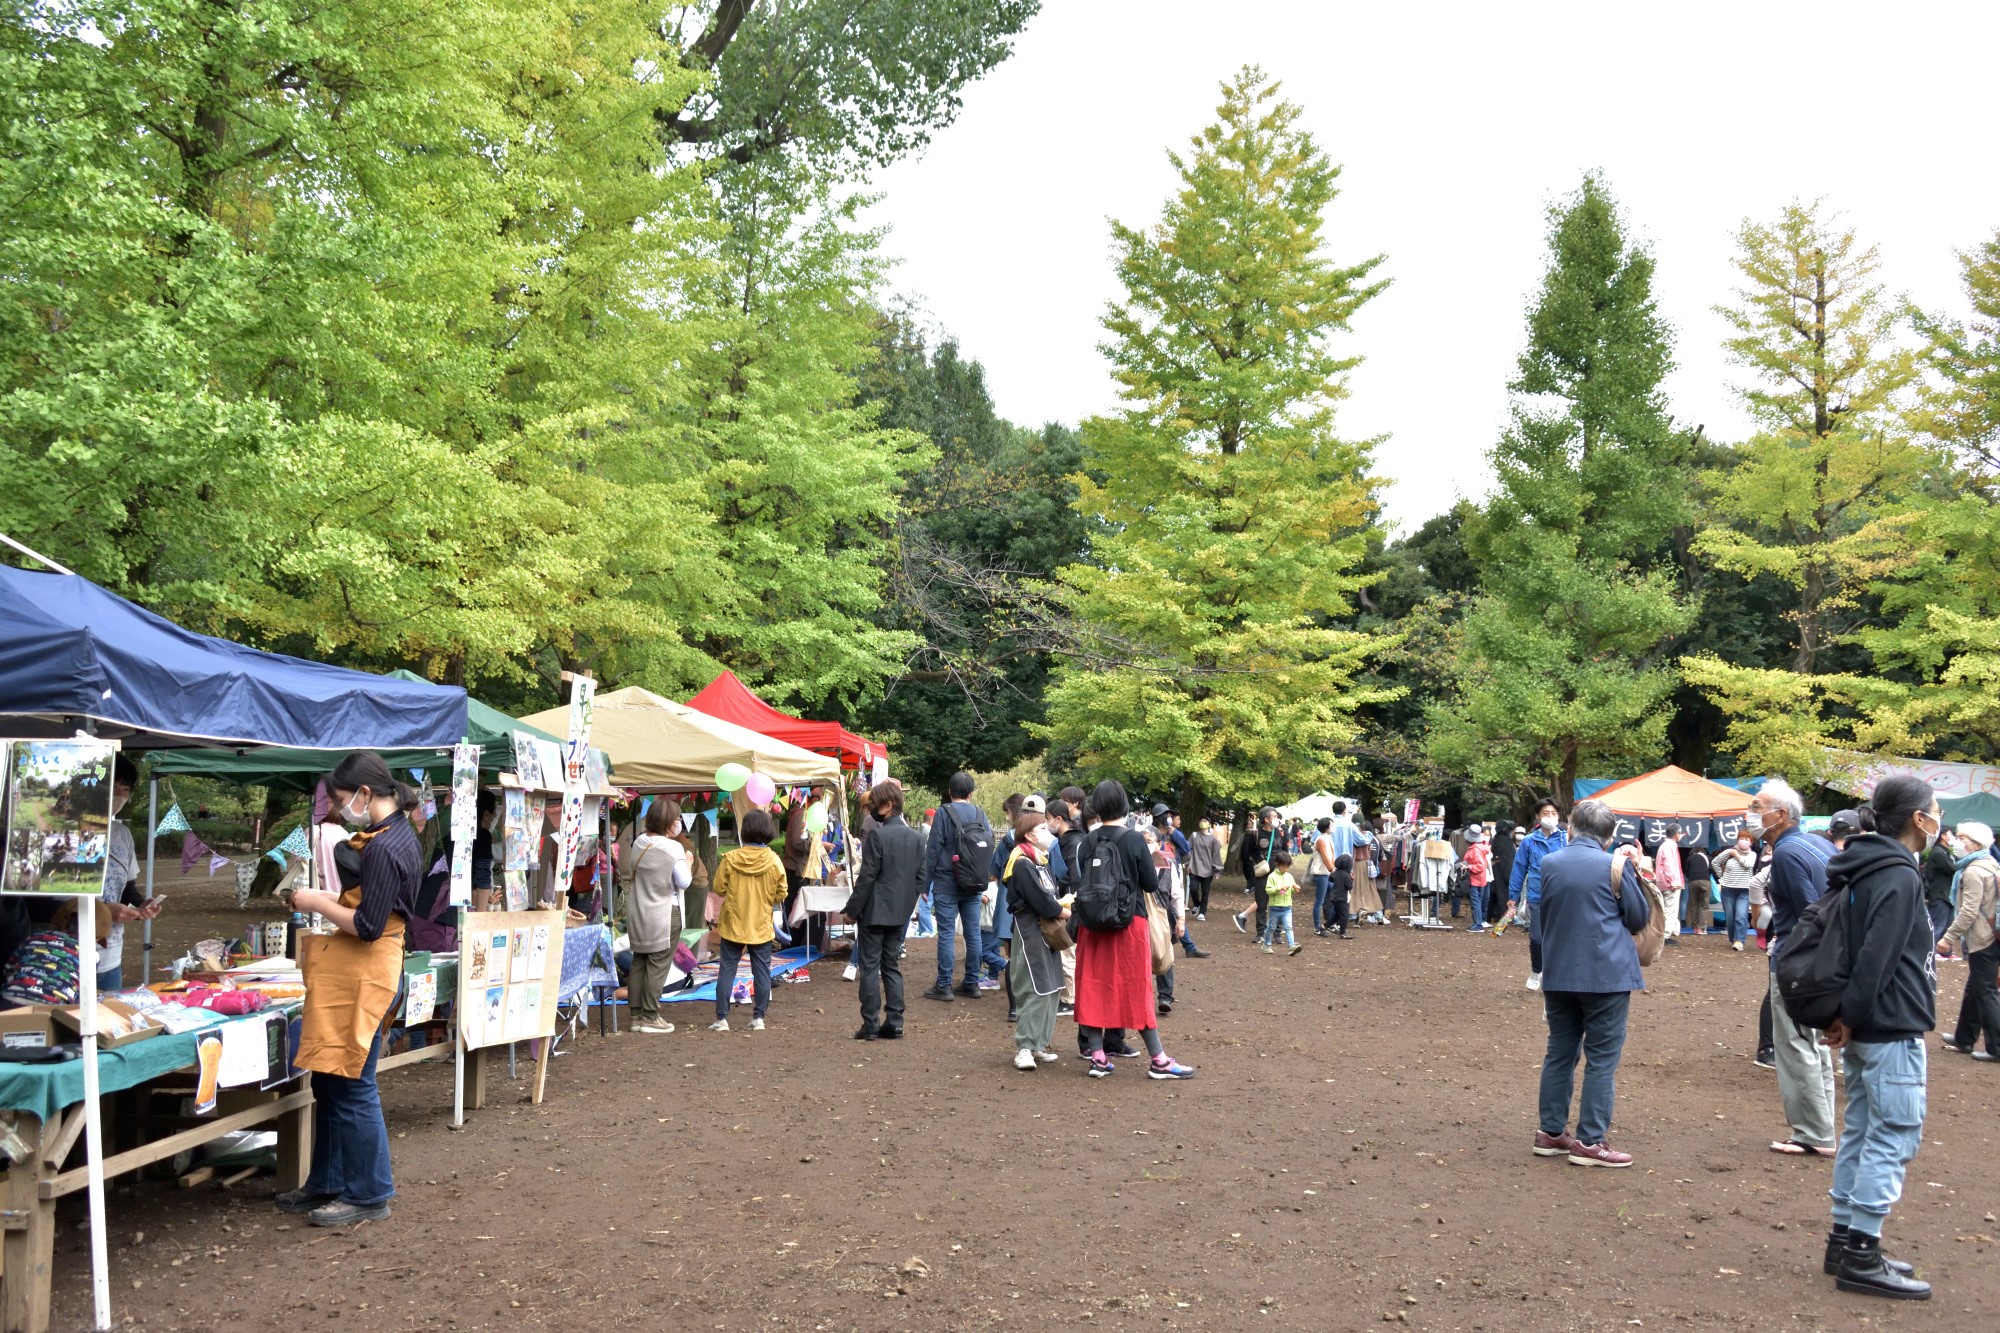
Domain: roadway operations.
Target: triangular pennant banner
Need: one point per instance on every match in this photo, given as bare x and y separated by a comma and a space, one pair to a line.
295, 844
173, 822
192, 850
216, 863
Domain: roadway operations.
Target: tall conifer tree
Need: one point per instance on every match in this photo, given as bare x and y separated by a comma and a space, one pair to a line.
1230, 518
1557, 661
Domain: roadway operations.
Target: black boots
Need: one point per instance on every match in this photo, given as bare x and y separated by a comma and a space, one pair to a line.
1861, 1267
1836, 1241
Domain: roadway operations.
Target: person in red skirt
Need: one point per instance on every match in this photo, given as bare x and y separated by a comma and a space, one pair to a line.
1114, 969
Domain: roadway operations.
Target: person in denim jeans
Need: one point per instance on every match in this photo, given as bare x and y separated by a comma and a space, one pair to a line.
1278, 899
1736, 867
1888, 1006
955, 906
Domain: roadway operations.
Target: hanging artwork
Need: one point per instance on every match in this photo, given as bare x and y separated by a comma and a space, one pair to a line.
521, 840
514, 886
527, 764
58, 816
464, 819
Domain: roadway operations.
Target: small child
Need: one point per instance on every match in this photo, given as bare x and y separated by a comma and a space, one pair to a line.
1337, 890
1278, 897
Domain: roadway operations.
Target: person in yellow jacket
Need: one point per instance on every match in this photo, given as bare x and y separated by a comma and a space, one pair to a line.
750, 881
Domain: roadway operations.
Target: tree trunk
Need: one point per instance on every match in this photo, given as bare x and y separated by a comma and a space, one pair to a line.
1566, 781
1193, 801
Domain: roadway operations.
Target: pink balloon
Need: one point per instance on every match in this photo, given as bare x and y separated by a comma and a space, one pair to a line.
760, 789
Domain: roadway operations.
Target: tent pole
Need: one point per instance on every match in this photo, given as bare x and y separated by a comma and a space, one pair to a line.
93, 1123
152, 833
458, 1039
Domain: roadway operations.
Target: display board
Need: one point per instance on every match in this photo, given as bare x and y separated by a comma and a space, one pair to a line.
58, 815
509, 969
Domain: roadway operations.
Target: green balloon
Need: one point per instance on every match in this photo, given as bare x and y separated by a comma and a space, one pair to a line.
730, 777
816, 818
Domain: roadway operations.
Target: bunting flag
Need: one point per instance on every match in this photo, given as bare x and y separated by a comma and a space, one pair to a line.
322, 803
216, 863
295, 844
192, 850
173, 822
714, 821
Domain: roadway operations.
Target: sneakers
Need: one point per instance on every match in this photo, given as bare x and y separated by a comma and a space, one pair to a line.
1766, 1059
1193, 950
1297, 949
1024, 1059
938, 993
653, 1028
1047, 1057
1554, 1145
719, 1025
1201, 916
1862, 1269
969, 989
1164, 1067
756, 1025
1101, 1066
1065, 1011
1126, 1052
338, 1214
1267, 948
1836, 1241
1738, 946
1535, 981
1241, 929
1319, 930
1598, 1154
989, 983
850, 973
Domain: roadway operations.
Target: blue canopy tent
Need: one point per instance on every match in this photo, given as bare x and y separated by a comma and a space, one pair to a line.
76, 658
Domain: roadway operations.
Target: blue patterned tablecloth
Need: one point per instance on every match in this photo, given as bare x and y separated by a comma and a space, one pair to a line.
587, 960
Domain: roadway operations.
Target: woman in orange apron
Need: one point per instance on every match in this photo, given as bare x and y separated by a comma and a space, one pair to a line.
352, 979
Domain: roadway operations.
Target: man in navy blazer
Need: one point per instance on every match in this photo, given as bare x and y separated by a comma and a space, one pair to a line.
1590, 967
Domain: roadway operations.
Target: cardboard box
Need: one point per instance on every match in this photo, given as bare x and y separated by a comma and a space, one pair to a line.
30, 1028
118, 1024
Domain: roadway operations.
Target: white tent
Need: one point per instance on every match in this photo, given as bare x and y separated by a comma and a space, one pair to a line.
1315, 807
656, 744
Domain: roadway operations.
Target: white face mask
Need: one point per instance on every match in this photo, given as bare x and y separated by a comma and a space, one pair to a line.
1753, 823
1043, 837
1549, 823
1930, 839
356, 817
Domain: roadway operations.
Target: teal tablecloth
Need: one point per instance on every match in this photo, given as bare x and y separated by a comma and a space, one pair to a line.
46, 1089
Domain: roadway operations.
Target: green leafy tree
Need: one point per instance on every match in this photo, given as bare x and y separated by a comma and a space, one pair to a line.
1228, 516
1826, 500
1557, 663
841, 83
988, 522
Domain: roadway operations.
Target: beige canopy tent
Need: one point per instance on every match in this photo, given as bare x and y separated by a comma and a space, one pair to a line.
655, 744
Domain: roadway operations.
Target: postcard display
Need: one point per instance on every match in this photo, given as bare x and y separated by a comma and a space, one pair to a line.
509, 969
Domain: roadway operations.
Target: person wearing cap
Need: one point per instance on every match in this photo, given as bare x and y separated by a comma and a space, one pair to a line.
1478, 861
1205, 858
1976, 889
1176, 848
1845, 825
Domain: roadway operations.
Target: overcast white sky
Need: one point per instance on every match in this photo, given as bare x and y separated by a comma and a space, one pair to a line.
1456, 126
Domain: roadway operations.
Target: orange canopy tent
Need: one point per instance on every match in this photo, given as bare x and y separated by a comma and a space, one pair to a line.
1672, 791
730, 699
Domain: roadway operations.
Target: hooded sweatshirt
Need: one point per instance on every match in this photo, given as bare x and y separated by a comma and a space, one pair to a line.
1892, 989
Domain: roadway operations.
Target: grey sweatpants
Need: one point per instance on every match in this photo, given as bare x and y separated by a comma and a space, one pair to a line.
644, 983
1805, 1076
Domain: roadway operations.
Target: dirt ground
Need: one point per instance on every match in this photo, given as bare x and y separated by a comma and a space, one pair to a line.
1353, 1152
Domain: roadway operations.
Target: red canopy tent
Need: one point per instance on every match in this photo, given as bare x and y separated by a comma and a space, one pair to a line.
1670, 791
730, 699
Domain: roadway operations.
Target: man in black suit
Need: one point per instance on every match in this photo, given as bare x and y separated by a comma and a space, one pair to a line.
885, 893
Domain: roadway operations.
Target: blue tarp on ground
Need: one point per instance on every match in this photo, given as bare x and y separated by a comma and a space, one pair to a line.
72, 653
782, 962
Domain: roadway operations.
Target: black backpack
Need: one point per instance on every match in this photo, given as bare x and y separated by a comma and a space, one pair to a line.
1816, 962
972, 856
1106, 899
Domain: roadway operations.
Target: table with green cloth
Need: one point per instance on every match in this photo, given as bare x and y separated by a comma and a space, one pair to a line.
44, 1102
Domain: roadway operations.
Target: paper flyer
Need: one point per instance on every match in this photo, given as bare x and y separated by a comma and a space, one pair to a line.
421, 1000
246, 1053
518, 1023
538, 954
475, 956
517, 960
208, 1055
58, 816
519, 839
532, 1006
496, 957
549, 763
464, 819
496, 1011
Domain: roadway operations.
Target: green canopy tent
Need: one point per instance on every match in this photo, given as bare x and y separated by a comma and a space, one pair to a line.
276, 766
1983, 807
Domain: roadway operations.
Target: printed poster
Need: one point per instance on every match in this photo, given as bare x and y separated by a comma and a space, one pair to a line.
496, 958
58, 825
515, 887
496, 1011
475, 956
549, 764
208, 1055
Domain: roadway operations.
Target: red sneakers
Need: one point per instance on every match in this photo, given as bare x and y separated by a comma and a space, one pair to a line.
1597, 1154
1554, 1145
